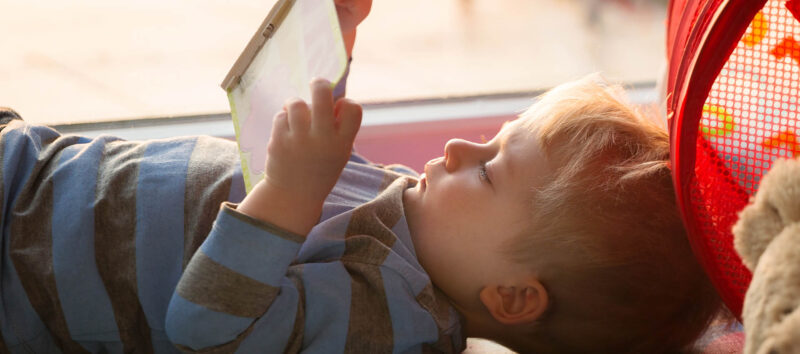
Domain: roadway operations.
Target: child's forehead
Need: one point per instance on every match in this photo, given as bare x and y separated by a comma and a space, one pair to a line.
515, 129
519, 140
508, 127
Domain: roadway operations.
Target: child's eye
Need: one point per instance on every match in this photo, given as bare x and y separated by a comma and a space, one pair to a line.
484, 176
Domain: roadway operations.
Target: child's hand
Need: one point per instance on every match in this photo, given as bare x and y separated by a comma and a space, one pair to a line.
308, 149
310, 145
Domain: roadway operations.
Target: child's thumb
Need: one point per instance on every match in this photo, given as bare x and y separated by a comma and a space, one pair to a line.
348, 114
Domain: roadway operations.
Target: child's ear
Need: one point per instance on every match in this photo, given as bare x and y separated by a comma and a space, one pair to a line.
519, 304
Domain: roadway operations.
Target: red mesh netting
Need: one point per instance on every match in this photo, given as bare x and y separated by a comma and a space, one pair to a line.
747, 120
750, 115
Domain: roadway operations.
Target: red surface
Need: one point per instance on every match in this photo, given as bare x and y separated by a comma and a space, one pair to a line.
733, 99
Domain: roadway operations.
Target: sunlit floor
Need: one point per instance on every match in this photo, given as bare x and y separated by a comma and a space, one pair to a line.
90, 60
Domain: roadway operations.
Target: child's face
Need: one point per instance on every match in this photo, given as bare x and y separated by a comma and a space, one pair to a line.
470, 203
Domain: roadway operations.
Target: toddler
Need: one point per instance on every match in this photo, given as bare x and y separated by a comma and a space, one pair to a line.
560, 234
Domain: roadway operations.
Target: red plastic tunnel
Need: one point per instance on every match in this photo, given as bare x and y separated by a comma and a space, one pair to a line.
732, 103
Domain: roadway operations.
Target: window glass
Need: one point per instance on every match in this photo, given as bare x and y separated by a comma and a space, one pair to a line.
101, 60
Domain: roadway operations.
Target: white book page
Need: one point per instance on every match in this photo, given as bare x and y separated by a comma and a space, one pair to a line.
307, 44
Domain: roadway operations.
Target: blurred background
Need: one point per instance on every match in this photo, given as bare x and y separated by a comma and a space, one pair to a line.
103, 60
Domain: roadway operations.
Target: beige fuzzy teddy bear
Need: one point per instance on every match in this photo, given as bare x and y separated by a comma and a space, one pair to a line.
767, 236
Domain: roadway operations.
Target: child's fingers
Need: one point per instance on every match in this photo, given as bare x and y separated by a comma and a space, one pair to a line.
349, 114
280, 123
280, 130
299, 115
322, 104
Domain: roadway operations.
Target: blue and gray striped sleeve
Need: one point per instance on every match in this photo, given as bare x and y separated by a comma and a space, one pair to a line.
233, 279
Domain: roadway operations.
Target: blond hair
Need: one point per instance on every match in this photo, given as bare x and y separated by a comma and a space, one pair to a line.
618, 267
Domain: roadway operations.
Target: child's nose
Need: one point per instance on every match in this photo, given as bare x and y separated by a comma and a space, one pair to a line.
456, 152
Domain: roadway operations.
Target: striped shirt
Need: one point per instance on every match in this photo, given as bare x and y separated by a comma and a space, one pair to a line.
119, 246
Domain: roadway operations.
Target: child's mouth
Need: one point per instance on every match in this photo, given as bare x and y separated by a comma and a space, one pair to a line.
422, 182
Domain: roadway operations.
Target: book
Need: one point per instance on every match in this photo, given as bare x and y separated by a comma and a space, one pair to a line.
297, 41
